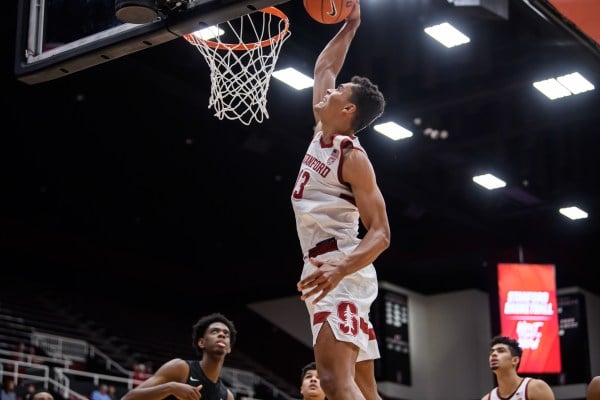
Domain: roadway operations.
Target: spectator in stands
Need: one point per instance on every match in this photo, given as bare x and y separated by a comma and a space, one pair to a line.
21, 347
310, 386
101, 393
27, 392
112, 392
213, 337
8, 390
19, 356
33, 357
139, 374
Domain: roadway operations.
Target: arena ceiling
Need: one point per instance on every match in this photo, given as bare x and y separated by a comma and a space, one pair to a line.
122, 171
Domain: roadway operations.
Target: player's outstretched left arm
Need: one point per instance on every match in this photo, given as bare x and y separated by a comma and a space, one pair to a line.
331, 59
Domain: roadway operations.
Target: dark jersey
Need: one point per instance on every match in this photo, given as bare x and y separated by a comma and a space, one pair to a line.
210, 390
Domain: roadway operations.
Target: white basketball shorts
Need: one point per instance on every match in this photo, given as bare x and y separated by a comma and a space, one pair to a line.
346, 307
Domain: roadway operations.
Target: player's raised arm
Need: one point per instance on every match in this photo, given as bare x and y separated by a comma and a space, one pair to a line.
332, 57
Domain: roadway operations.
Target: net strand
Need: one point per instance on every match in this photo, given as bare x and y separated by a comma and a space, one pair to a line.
241, 73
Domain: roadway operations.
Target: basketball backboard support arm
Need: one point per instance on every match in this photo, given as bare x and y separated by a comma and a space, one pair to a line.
38, 60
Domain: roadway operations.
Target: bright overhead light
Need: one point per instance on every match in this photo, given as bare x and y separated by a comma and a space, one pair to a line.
573, 212
563, 86
447, 35
489, 181
295, 79
393, 130
209, 33
552, 89
575, 83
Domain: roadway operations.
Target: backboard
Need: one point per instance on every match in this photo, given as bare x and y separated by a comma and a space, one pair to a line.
56, 38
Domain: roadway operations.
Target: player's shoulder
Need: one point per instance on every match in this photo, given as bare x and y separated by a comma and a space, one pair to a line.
174, 370
176, 361
538, 382
176, 364
593, 391
353, 152
538, 389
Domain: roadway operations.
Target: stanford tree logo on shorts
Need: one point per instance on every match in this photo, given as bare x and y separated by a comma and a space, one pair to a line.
347, 312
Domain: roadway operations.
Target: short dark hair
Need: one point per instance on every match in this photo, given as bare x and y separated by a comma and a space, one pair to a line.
369, 102
308, 367
513, 346
200, 327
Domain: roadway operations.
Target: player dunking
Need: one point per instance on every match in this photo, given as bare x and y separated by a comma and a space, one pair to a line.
336, 187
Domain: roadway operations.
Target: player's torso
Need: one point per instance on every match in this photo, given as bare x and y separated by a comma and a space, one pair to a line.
323, 204
210, 390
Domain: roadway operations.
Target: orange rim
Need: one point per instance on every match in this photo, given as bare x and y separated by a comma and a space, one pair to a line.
190, 37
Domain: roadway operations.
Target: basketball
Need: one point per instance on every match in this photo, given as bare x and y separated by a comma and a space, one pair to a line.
329, 11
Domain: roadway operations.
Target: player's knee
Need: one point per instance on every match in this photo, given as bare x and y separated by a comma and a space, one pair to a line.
326, 379
332, 386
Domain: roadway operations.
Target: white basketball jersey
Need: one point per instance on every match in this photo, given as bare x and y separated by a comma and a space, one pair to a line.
323, 204
519, 394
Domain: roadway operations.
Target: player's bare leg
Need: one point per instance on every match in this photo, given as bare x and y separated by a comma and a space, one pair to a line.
335, 362
365, 379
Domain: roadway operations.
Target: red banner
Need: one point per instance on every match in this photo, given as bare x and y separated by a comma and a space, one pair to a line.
585, 14
528, 313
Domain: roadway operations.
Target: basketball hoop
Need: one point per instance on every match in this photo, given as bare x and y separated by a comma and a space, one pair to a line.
240, 71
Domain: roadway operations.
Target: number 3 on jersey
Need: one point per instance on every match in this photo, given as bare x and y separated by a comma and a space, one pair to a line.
301, 182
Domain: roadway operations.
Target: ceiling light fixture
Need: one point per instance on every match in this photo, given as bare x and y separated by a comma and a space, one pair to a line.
575, 82
293, 78
209, 33
447, 35
393, 130
489, 181
551, 89
563, 86
573, 212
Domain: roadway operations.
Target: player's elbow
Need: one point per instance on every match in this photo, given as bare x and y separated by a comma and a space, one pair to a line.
385, 239
387, 242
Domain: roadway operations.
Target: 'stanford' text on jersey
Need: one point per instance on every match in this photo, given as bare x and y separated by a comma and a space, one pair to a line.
323, 204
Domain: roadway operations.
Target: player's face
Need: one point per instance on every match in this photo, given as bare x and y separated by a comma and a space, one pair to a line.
311, 386
335, 99
216, 338
500, 357
336, 107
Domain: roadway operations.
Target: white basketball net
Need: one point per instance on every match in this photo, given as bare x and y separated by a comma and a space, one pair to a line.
241, 69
